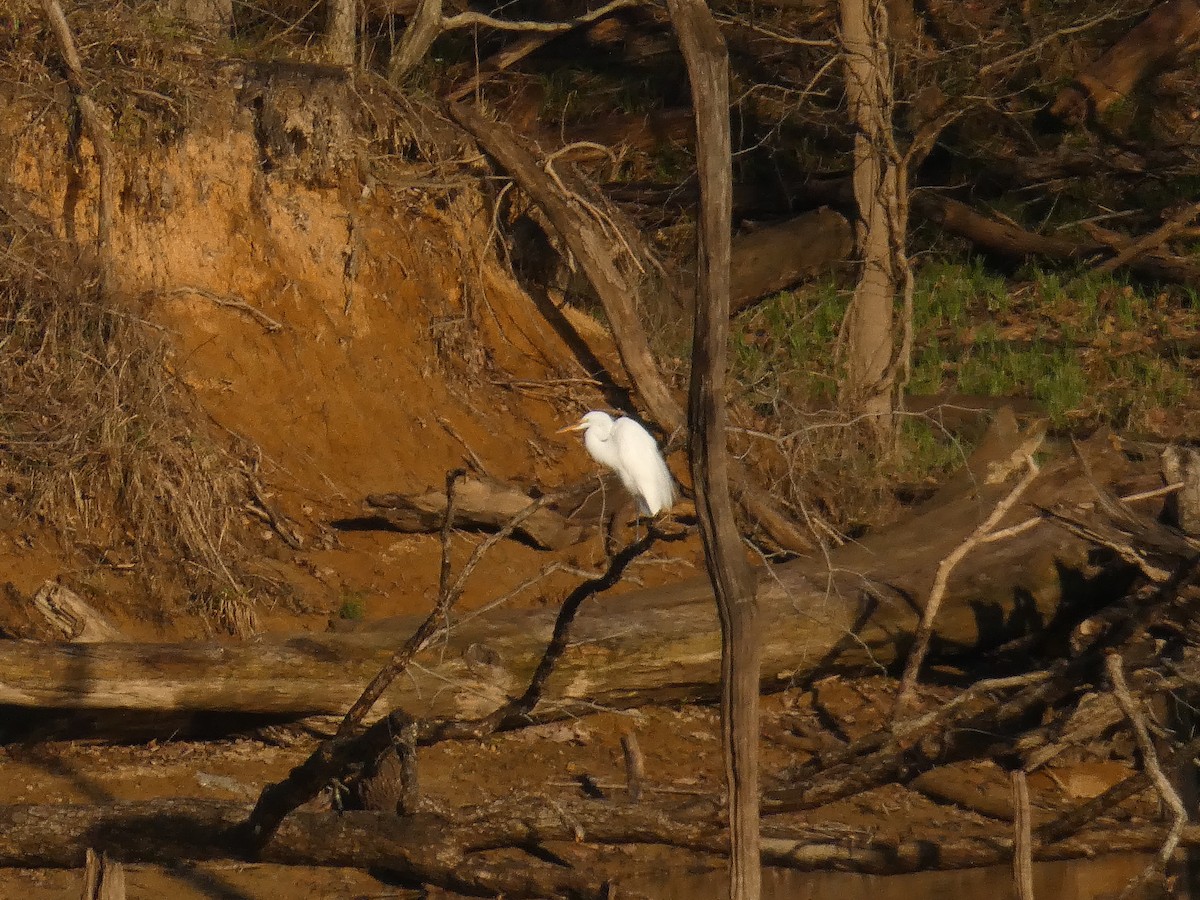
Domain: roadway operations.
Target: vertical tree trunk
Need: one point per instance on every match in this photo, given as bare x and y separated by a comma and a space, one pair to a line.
869, 380
707, 61
419, 34
340, 31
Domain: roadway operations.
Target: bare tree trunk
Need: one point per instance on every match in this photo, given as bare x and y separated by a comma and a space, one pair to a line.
869, 380
340, 32
732, 579
211, 17
419, 34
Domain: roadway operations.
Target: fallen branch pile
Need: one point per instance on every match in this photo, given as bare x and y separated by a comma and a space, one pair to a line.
1048, 667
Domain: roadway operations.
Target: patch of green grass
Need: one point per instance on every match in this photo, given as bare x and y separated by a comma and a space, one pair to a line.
785, 345
947, 293
353, 607
927, 449
1052, 375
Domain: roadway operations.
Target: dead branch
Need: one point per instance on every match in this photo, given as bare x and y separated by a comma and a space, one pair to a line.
1009, 239
432, 848
350, 748
1162, 784
471, 19
1157, 41
1022, 838
937, 592
1151, 241
447, 597
481, 503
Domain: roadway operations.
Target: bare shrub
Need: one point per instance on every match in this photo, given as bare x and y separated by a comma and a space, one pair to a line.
98, 443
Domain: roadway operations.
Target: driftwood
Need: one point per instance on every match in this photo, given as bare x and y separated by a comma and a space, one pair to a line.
479, 503
855, 613
1155, 42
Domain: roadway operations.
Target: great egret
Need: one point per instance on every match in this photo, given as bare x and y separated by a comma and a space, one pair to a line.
629, 450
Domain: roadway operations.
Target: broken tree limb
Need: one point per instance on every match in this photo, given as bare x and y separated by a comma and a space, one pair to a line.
1009, 239
1155, 42
333, 758
479, 503
850, 613
592, 249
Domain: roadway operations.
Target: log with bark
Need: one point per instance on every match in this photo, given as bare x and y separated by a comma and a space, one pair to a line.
854, 611
432, 847
489, 504
1009, 239
1158, 40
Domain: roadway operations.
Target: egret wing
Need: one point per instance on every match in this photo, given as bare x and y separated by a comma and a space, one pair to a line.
642, 467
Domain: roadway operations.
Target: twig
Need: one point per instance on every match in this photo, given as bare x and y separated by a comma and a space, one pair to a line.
635, 766
925, 629
448, 596
1151, 241
1179, 816
1022, 838
476, 462
470, 18
229, 301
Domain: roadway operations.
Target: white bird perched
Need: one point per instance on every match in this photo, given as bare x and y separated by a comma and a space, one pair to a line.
629, 450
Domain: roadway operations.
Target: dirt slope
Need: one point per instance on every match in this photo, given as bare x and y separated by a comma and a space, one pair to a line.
343, 318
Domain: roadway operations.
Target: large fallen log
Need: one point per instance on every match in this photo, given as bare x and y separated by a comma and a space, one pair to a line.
431, 847
1157, 41
854, 610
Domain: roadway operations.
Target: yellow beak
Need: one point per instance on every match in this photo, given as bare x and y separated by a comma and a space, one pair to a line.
578, 426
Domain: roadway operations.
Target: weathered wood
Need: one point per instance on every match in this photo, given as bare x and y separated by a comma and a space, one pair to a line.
71, 617
103, 878
657, 644
1156, 41
707, 60
431, 847
479, 503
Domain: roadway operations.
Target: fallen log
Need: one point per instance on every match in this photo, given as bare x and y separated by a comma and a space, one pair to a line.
855, 611
478, 503
1157, 41
779, 256
432, 847
1010, 239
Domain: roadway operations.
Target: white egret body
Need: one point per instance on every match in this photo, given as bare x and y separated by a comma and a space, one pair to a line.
629, 450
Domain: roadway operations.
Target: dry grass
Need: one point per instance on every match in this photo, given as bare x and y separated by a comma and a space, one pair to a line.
100, 446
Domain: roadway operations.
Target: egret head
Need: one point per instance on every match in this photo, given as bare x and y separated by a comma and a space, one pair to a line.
601, 421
